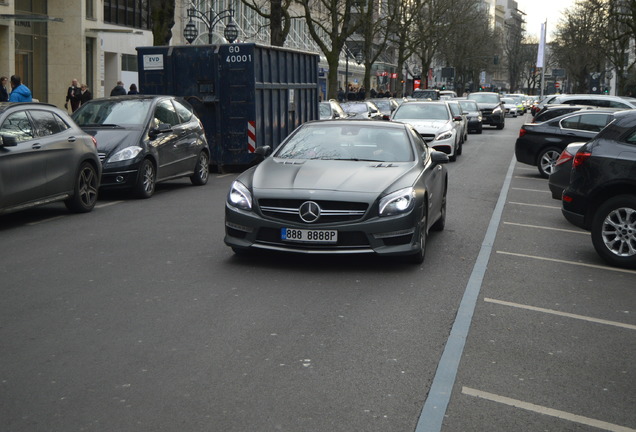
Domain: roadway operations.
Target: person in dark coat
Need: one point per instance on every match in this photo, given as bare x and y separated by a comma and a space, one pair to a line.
4, 93
118, 90
85, 95
133, 90
72, 96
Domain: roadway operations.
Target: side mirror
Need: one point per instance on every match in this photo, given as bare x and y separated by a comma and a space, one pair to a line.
8, 141
162, 128
457, 118
438, 157
261, 153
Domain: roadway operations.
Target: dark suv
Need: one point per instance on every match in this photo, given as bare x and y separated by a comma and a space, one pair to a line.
492, 108
601, 196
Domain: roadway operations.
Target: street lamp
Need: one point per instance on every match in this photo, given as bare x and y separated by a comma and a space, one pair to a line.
210, 19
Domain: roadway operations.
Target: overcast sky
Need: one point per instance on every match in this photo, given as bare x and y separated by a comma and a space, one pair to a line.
537, 11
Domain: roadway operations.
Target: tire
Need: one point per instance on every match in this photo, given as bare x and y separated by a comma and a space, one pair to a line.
440, 223
146, 180
418, 257
501, 125
546, 161
201, 170
480, 129
85, 190
614, 231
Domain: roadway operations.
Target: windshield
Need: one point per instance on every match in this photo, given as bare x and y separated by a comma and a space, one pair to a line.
357, 108
348, 142
469, 105
484, 98
422, 111
109, 112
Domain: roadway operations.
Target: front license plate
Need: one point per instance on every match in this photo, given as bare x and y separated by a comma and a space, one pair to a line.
308, 236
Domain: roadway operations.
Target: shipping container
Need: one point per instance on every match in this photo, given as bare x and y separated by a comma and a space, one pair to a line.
246, 95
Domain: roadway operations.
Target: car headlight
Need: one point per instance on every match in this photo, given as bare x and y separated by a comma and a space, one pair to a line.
496, 110
397, 202
125, 154
240, 196
444, 135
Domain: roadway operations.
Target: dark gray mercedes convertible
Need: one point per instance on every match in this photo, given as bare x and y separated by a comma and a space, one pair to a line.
343, 186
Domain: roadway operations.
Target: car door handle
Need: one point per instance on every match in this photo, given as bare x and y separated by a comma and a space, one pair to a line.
36, 146
72, 139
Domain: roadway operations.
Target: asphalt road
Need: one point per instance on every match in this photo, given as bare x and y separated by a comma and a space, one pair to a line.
136, 317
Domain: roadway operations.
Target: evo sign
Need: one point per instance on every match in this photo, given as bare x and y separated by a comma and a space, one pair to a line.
153, 61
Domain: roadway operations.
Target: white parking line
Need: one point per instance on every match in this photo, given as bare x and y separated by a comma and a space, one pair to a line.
534, 205
546, 411
223, 175
530, 178
531, 190
563, 314
547, 228
46, 220
107, 204
616, 269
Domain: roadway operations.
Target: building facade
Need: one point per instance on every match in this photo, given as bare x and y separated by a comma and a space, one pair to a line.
50, 42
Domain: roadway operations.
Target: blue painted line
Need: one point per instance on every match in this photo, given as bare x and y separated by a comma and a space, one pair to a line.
436, 403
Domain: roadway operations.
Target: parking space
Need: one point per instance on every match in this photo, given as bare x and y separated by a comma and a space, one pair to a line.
553, 351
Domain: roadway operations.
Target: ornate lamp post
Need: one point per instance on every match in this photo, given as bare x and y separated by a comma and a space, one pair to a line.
210, 19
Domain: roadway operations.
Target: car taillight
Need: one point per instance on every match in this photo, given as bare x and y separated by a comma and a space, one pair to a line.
580, 158
522, 132
564, 157
94, 141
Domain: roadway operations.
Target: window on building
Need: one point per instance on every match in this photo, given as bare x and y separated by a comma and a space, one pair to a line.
129, 63
90, 9
129, 13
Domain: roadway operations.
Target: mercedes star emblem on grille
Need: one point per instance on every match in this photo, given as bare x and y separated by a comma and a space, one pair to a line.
309, 211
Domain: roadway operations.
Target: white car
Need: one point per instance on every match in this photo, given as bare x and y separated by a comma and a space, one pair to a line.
512, 109
434, 121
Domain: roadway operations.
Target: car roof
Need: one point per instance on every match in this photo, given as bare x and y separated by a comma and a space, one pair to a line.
6, 105
367, 122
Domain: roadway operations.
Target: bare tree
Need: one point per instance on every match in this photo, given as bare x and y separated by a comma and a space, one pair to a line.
330, 24
162, 15
277, 12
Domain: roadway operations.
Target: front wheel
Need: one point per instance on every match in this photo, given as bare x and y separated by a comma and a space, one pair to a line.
146, 180
614, 231
201, 170
418, 257
546, 161
85, 190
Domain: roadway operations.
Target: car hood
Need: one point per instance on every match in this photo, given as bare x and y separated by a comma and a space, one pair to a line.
110, 139
483, 105
429, 126
324, 175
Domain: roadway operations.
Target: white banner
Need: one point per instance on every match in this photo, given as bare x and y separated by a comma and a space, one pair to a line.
541, 50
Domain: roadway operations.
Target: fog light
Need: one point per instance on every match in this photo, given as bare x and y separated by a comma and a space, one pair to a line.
119, 179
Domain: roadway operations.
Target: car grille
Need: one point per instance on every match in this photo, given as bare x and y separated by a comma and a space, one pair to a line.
486, 111
428, 137
330, 211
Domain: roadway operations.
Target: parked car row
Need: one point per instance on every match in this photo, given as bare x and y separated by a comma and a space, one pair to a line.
589, 156
125, 142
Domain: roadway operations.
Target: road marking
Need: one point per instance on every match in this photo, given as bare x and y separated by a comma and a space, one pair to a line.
46, 220
530, 178
547, 228
108, 204
563, 314
531, 190
223, 175
546, 411
436, 403
535, 205
616, 269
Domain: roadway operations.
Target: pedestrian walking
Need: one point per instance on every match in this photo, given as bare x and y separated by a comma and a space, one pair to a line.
19, 92
4, 93
85, 94
118, 90
73, 95
133, 89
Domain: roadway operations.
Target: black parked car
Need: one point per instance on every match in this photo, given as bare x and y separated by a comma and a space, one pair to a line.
492, 108
601, 196
560, 176
550, 111
473, 114
540, 144
45, 157
143, 140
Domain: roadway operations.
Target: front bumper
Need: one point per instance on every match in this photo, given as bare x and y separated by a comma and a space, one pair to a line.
393, 235
119, 175
493, 119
